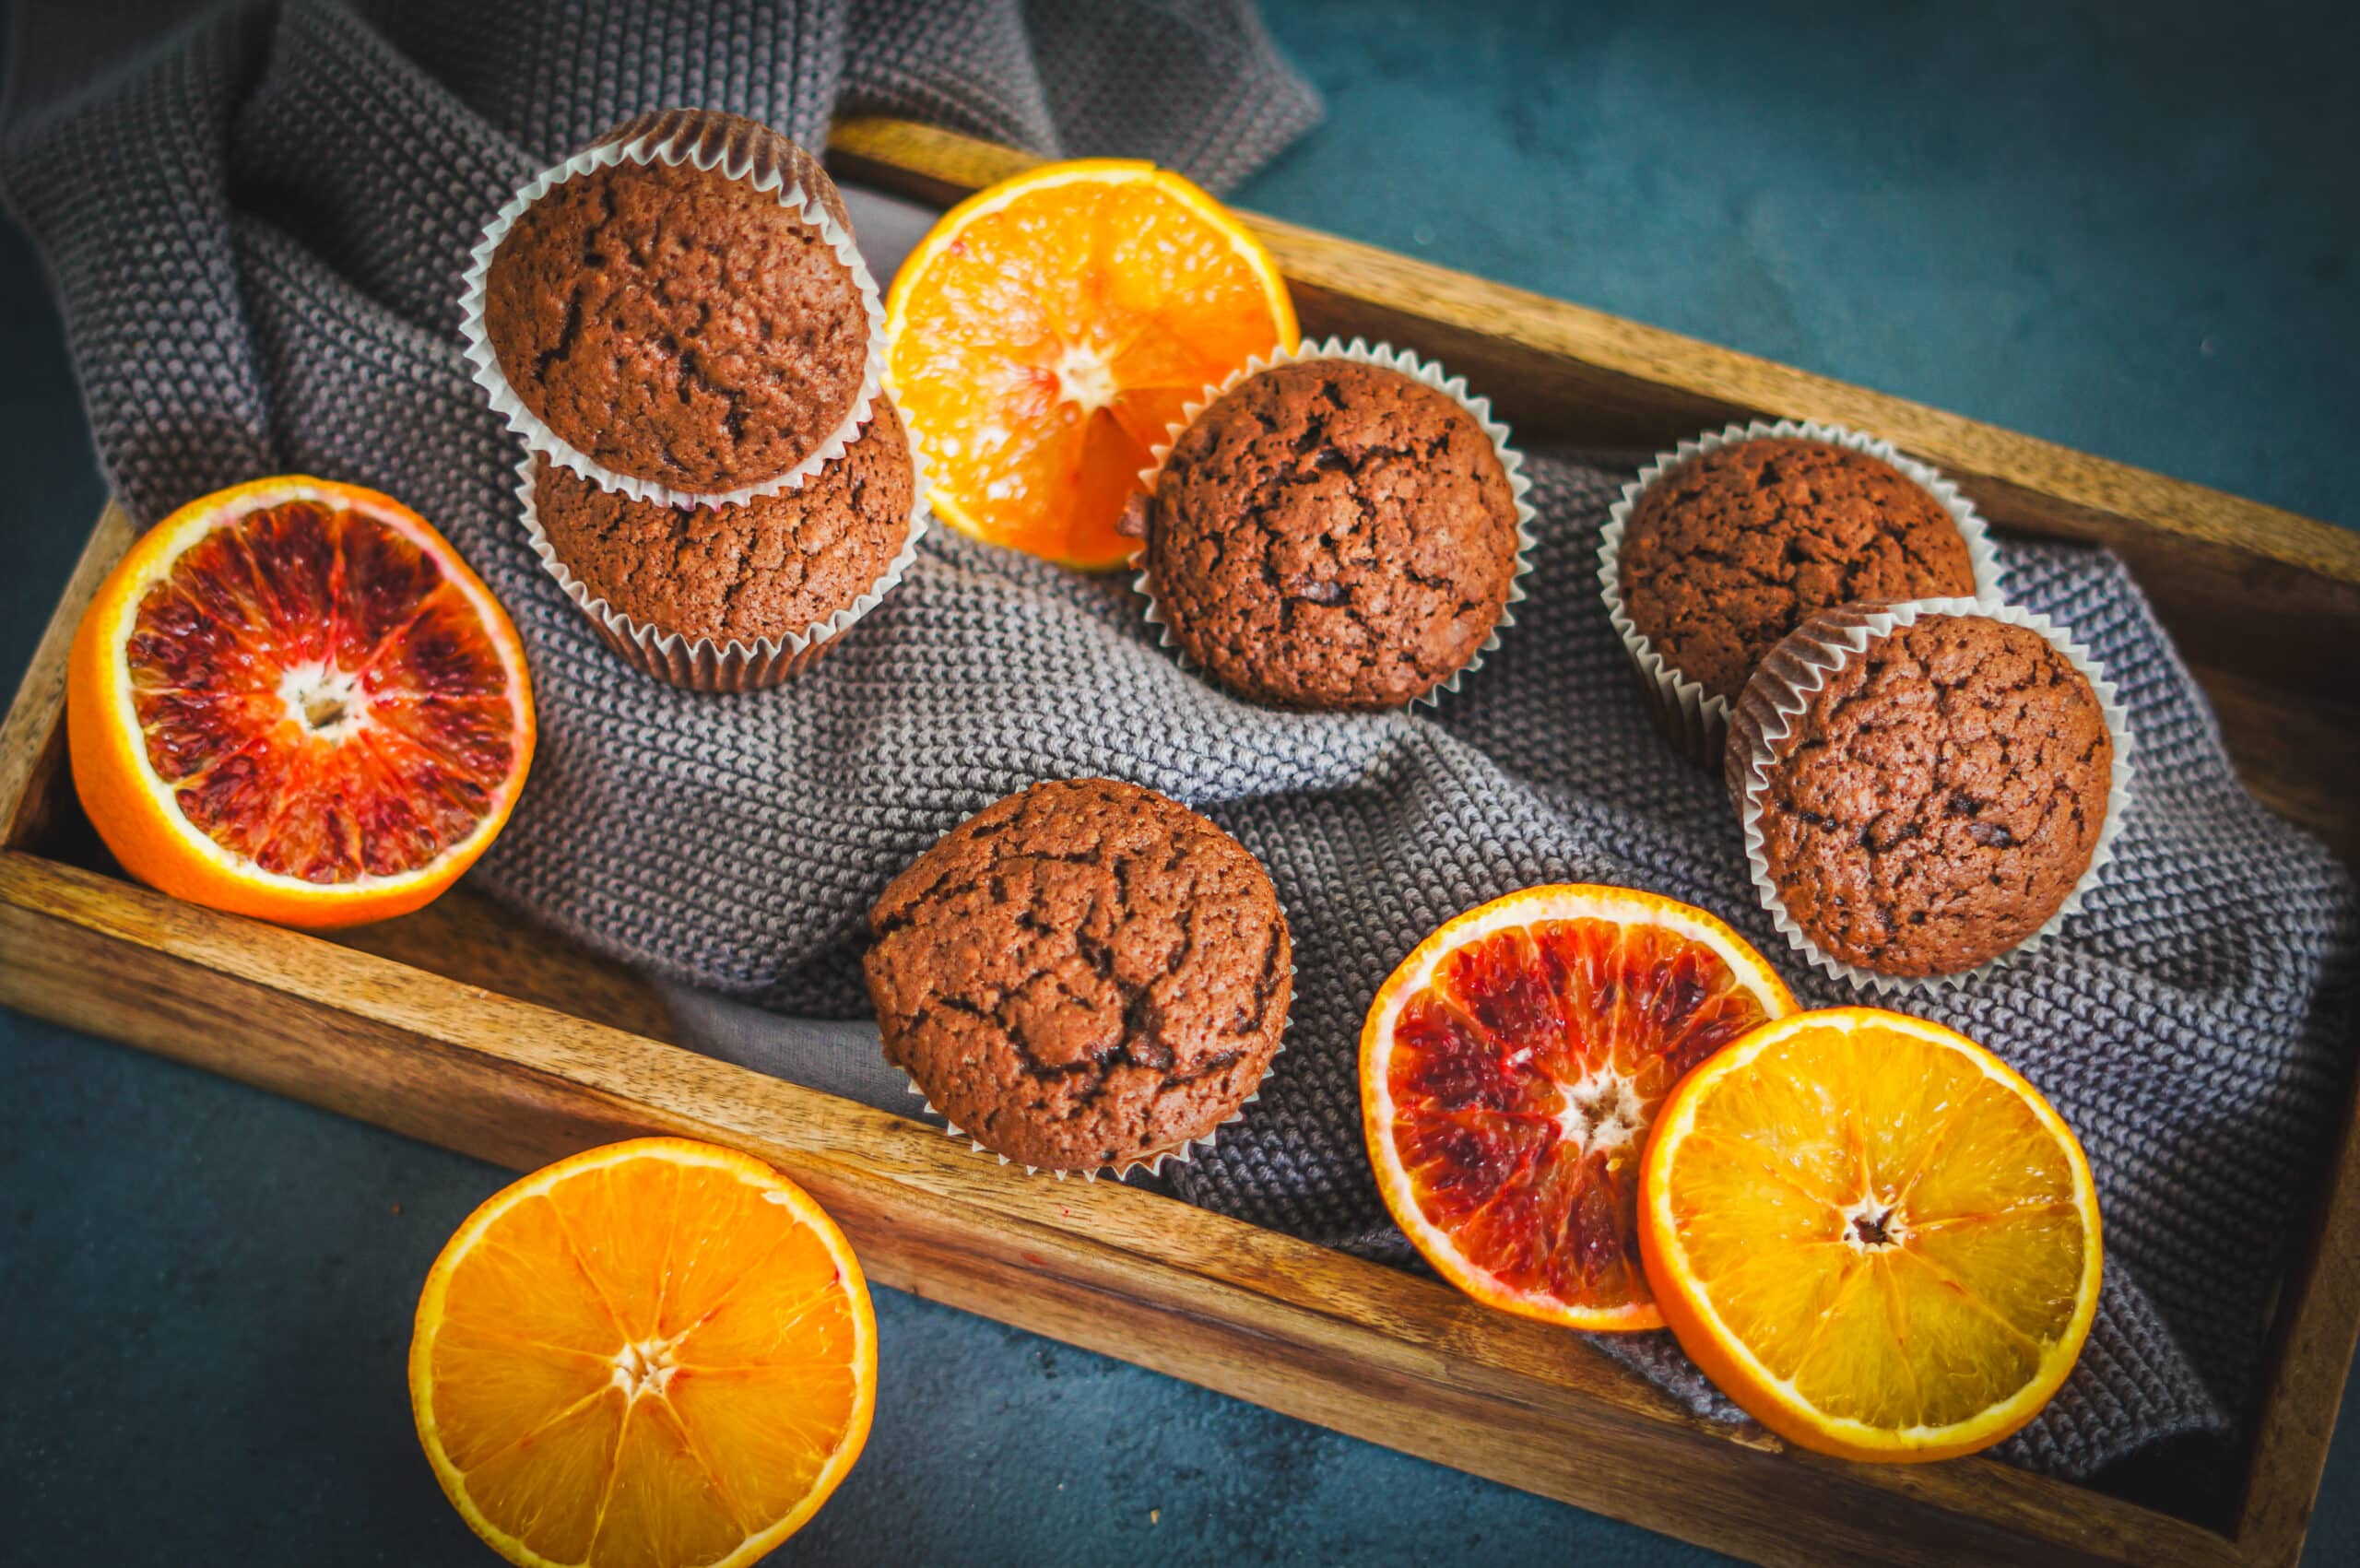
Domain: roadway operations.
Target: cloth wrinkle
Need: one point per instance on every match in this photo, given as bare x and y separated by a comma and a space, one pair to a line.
258, 229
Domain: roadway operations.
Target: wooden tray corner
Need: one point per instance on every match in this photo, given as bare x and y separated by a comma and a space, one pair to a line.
467, 1026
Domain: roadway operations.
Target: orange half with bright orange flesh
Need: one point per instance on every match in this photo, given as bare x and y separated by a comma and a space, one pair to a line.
293, 700
1046, 333
654, 1353
1872, 1234
1510, 1072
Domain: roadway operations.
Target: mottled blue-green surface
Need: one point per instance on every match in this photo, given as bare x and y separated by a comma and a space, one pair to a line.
2130, 228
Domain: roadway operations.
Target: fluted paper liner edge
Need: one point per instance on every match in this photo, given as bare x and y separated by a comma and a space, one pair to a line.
701, 663
676, 146
1385, 357
1800, 665
1698, 720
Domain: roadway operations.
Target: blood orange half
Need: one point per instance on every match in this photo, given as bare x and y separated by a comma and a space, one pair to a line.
1510, 1072
292, 700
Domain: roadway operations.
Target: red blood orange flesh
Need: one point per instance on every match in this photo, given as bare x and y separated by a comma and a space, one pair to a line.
1510, 1072
294, 699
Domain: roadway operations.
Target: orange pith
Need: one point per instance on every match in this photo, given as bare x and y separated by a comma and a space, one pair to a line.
654, 1353
1046, 335
1876, 1238
293, 700
1511, 1069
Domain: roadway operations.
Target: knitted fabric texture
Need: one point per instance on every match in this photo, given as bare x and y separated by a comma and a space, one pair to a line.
259, 228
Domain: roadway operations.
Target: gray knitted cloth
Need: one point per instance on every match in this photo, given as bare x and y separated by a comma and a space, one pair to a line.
258, 231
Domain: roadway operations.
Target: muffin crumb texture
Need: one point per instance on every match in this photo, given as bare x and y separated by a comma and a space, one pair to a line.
1081, 975
1938, 799
772, 566
676, 326
1729, 552
1332, 535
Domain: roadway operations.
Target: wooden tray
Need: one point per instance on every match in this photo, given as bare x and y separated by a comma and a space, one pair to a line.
467, 1026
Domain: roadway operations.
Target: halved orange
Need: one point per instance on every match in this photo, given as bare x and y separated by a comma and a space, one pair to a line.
1510, 1071
1046, 335
654, 1353
1872, 1234
292, 700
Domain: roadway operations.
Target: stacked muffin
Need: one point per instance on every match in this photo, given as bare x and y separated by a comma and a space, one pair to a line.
678, 323
1927, 777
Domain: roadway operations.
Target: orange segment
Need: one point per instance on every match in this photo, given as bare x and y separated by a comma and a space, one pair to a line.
655, 1354
292, 700
546, 1486
766, 1431
496, 1395
1511, 1069
1046, 335
1875, 1237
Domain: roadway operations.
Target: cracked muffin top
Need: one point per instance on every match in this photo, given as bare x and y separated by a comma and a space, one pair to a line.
1938, 799
1331, 535
677, 325
1730, 551
772, 566
1083, 974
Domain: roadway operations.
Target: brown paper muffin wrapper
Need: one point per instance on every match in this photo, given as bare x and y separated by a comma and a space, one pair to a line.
1155, 1162
699, 664
1781, 689
1694, 720
712, 143
1387, 356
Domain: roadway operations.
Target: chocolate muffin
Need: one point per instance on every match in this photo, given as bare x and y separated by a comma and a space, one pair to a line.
1330, 534
1084, 975
677, 324
772, 567
1936, 800
1729, 552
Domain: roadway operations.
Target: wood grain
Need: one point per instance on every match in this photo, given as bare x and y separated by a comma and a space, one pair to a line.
474, 940
1385, 1355
2214, 565
469, 1027
1652, 381
2310, 1360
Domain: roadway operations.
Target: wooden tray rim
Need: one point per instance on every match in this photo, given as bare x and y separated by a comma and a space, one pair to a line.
1387, 1356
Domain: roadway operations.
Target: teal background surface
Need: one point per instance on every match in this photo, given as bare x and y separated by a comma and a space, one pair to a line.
2127, 228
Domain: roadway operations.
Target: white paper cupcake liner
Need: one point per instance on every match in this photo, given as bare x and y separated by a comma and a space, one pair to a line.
1153, 1163
1387, 356
701, 663
1781, 689
675, 138
1695, 720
